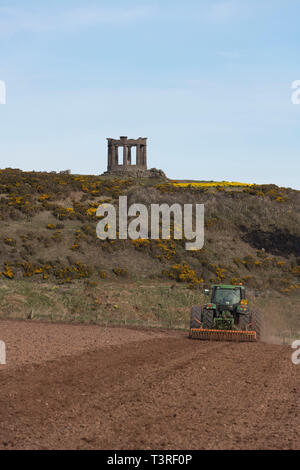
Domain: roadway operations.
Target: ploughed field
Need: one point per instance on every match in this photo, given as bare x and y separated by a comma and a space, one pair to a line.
86, 387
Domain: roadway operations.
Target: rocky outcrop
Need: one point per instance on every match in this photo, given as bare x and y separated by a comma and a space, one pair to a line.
134, 172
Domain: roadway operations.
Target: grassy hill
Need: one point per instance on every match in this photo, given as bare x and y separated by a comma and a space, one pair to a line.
48, 238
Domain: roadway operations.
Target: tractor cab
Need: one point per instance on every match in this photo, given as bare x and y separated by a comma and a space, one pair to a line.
227, 297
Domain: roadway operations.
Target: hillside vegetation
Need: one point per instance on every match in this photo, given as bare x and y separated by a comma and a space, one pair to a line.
48, 221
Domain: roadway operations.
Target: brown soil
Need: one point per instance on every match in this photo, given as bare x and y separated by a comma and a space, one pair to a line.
86, 387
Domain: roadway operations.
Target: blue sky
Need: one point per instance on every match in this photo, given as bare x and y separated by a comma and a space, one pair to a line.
208, 82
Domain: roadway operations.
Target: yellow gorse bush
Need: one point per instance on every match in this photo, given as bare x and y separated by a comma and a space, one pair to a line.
183, 273
91, 211
214, 184
8, 272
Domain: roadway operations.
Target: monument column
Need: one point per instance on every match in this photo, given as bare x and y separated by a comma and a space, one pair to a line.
145, 156
138, 154
109, 157
129, 155
112, 155
116, 155
125, 155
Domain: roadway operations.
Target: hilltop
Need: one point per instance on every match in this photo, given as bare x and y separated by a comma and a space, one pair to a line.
252, 233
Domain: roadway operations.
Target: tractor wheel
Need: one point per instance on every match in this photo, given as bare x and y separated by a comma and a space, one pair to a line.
255, 319
244, 321
196, 317
208, 319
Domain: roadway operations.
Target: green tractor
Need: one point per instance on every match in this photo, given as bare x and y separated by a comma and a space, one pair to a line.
226, 317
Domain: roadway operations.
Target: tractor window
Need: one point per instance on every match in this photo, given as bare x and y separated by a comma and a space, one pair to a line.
225, 296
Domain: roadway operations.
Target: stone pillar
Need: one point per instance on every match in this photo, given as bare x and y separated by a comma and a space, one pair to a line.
112, 155
111, 151
141, 155
129, 155
138, 154
109, 157
125, 156
145, 156
115, 155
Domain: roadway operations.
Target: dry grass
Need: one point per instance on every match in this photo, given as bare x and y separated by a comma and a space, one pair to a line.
145, 304
149, 304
